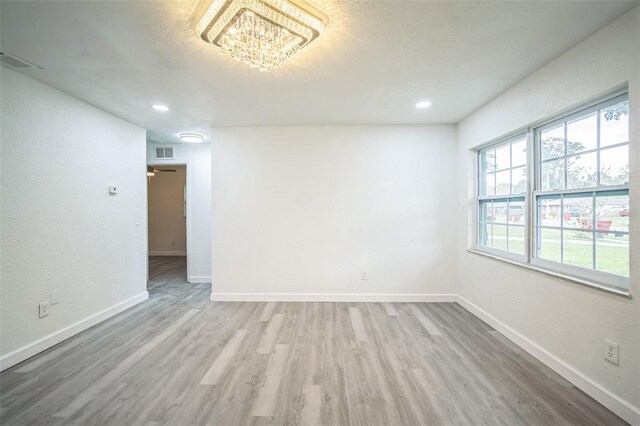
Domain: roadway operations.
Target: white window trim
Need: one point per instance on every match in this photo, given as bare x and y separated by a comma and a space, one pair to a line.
610, 283
478, 198
551, 272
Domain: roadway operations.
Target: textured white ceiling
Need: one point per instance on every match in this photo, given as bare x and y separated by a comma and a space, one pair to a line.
374, 61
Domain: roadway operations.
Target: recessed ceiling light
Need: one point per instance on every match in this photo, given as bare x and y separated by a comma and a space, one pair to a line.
191, 137
160, 107
423, 104
261, 33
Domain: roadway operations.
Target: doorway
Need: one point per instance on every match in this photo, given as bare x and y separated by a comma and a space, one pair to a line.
167, 219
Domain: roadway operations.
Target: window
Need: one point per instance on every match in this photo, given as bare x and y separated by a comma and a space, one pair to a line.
576, 198
503, 184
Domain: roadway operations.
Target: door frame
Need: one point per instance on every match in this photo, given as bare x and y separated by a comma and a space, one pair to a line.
188, 208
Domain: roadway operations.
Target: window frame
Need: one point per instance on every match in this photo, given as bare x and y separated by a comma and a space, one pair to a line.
480, 176
597, 279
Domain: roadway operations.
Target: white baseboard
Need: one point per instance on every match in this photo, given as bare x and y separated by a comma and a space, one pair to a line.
27, 351
624, 409
199, 280
168, 253
331, 297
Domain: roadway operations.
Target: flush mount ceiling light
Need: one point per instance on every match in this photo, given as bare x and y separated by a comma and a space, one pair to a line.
423, 104
191, 137
261, 33
160, 107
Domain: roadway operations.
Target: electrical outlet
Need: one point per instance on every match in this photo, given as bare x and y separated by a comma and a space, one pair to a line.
44, 309
611, 352
364, 275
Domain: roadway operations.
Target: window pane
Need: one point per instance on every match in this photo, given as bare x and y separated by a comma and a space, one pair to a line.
484, 214
486, 235
552, 142
516, 239
582, 134
614, 124
578, 211
612, 253
500, 211
612, 213
519, 153
516, 213
581, 170
549, 245
487, 160
488, 185
552, 175
578, 248
503, 157
500, 237
614, 166
550, 211
503, 182
519, 180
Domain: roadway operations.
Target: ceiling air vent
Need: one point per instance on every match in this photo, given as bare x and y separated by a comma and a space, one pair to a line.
16, 63
164, 153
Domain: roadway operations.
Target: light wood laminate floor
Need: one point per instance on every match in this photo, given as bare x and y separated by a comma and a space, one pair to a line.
181, 359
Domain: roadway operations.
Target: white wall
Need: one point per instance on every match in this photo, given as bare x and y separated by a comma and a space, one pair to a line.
566, 319
197, 157
300, 211
167, 222
61, 230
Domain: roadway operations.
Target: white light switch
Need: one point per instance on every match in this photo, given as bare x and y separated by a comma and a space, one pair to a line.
113, 190
138, 221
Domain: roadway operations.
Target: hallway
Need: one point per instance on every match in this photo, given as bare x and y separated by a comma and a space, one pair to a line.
166, 271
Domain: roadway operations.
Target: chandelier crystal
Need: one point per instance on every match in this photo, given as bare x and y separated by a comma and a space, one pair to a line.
261, 33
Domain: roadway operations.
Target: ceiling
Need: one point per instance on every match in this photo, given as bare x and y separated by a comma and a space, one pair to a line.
375, 60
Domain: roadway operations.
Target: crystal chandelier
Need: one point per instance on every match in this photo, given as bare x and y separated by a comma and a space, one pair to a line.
261, 33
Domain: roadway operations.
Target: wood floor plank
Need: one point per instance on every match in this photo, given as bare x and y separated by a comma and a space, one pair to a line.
428, 396
312, 405
221, 363
265, 404
270, 334
358, 325
424, 321
389, 309
265, 316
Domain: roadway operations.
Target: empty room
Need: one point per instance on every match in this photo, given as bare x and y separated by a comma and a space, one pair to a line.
319, 212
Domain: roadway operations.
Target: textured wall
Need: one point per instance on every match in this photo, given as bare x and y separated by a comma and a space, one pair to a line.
305, 209
60, 228
569, 320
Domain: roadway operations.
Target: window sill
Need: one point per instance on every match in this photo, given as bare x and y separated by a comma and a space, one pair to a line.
560, 275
